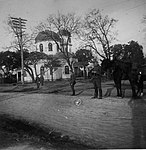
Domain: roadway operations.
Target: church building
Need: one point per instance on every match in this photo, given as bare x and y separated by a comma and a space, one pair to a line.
48, 42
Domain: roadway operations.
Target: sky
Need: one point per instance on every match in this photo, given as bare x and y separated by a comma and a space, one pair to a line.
129, 14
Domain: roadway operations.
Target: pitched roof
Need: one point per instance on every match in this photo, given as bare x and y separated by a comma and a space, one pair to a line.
47, 35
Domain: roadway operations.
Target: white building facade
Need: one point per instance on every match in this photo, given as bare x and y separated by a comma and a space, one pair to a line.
49, 45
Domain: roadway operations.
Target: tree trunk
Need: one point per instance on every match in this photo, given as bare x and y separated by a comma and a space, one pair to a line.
30, 72
35, 70
70, 66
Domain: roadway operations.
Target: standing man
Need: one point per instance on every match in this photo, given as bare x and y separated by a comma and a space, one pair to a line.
38, 81
42, 80
96, 80
140, 84
72, 82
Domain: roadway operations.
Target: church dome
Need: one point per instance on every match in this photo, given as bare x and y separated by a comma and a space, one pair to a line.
47, 35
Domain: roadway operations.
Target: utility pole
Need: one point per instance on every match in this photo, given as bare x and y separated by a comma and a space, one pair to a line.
18, 24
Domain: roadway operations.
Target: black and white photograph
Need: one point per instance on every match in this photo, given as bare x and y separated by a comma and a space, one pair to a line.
72, 74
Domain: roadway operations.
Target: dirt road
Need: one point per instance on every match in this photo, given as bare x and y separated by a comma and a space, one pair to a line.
106, 123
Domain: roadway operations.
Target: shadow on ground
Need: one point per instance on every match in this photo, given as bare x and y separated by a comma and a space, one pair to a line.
15, 131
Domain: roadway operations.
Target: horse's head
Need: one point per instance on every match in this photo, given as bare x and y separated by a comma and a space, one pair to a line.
106, 64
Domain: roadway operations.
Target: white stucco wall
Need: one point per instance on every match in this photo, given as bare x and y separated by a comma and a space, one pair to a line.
45, 47
59, 73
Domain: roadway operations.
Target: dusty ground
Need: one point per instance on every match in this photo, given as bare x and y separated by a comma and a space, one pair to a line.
79, 121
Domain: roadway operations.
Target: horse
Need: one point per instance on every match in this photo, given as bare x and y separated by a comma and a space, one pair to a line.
121, 70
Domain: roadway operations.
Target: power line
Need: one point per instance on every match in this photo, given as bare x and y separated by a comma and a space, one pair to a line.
115, 3
124, 2
136, 6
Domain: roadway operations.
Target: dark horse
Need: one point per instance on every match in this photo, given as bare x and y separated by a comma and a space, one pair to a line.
121, 70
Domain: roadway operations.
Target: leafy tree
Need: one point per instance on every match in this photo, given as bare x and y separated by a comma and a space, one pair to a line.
117, 51
131, 52
8, 61
84, 57
98, 30
134, 52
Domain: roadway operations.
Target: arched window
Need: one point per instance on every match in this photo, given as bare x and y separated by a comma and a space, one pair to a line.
41, 47
50, 47
66, 70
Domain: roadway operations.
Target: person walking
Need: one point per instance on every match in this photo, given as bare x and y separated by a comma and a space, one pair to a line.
96, 80
72, 82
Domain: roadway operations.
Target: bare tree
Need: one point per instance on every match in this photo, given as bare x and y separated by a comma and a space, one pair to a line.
97, 32
65, 25
27, 40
